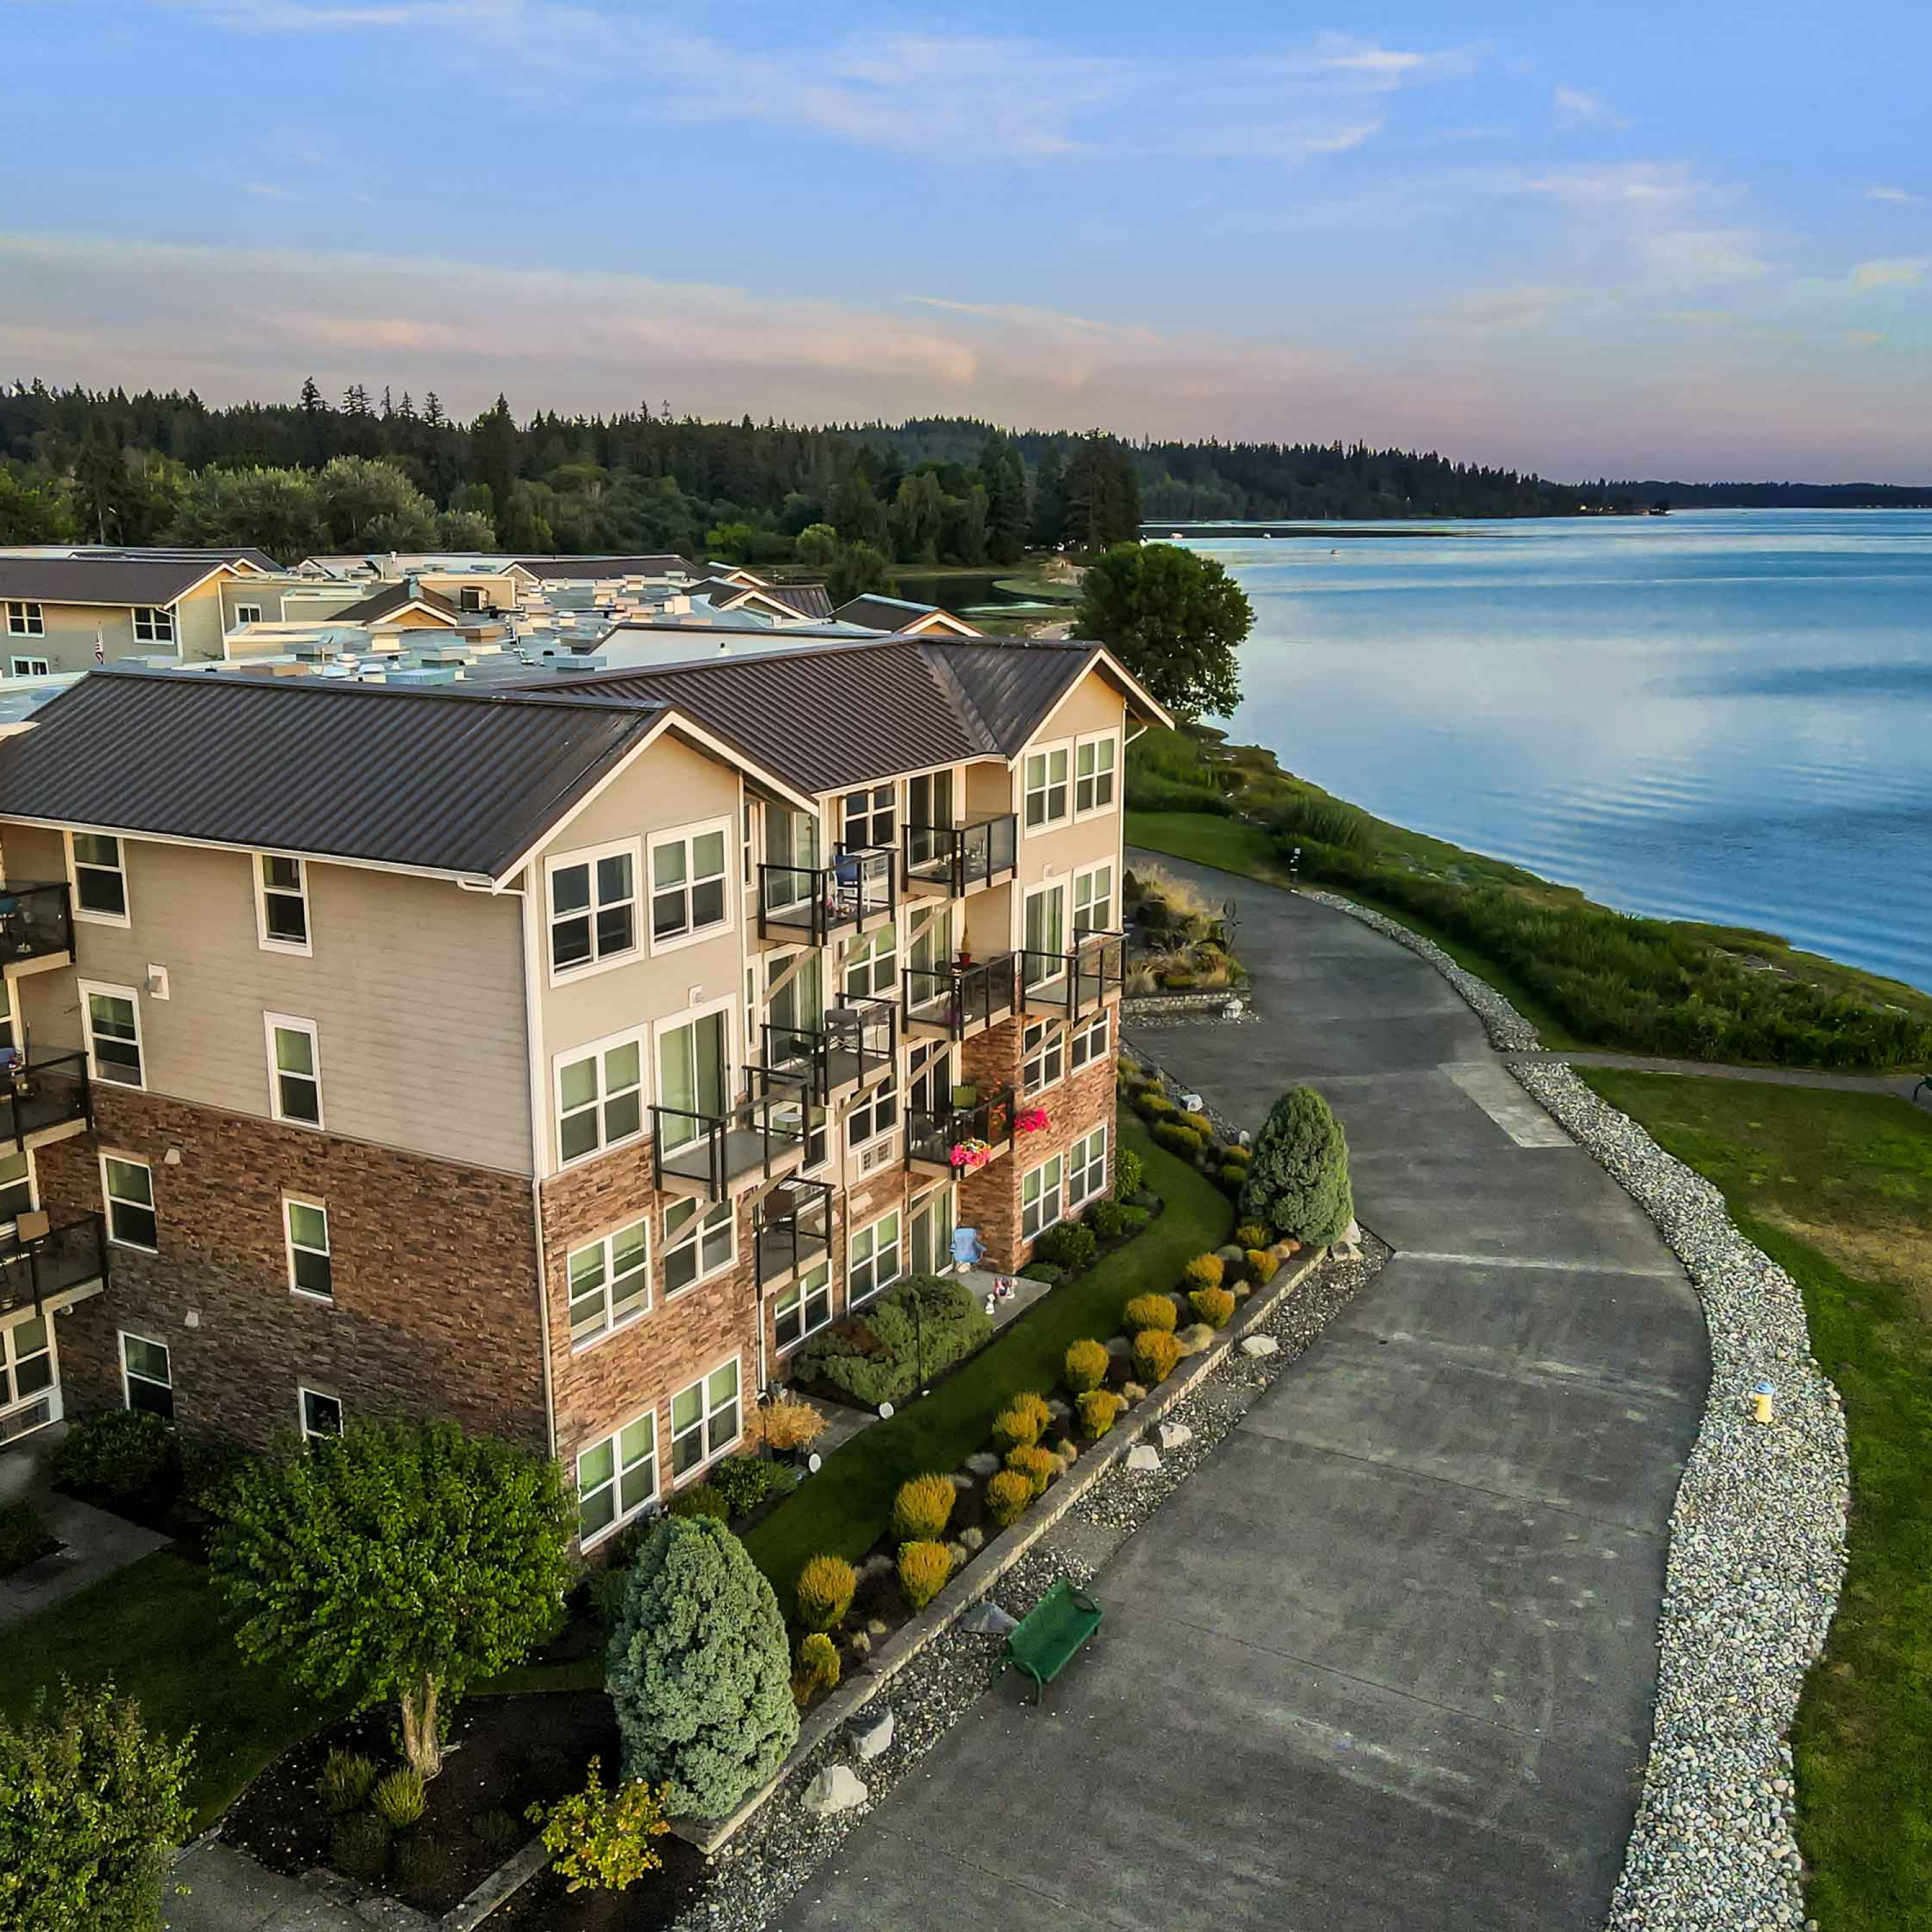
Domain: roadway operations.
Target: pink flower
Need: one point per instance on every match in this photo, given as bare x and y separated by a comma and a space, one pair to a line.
1033, 1120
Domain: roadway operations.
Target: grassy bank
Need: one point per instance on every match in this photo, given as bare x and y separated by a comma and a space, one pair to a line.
1837, 1188
1586, 975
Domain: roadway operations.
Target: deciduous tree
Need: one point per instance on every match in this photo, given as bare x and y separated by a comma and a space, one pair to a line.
1175, 620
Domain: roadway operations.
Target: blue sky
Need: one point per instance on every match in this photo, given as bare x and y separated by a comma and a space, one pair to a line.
1693, 240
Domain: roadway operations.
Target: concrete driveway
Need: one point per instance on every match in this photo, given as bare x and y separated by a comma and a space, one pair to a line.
1387, 1662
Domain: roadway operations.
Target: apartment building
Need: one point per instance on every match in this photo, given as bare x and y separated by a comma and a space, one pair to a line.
558, 1058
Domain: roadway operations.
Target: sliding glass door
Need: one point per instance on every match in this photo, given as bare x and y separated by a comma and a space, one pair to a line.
693, 1072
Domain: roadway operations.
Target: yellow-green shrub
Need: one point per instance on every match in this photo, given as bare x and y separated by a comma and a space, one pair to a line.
1038, 1466
1213, 1306
1007, 1496
1253, 1234
1084, 1366
824, 1590
1147, 1311
924, 1568
923, 1508
1205, 1271
1100, 1410
1177, 1139
818, 1661
1200, 1123
1021, 1422
1262, 1266
1155, 1353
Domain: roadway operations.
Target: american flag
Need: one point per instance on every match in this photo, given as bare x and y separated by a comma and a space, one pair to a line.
100, 646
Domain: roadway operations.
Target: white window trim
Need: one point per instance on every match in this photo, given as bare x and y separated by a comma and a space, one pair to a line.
24, 666
869, 1102
107, 1201
615, 1438
878, 1287
1103, 1023
1063, 887
122, 1337
157, 614
1073, 899
32, 622
242, 613
1048, 1030
797, 1286
33, 1190
293, 1023
893, 807
595, 1049
90, 916
264, 939
85, 988
1046, 751
1113, 804
1074, 1203
639, 911
686, 835
702, 1383
591, 1337
1058, 1160
305, 1389
289, 1247
694, 1239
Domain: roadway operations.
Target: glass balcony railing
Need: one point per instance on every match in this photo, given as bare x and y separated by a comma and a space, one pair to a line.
809, 903
36, 922
34, 1265
963, 999
792, 1228
1075, 981
716, 1154
962, 1135
956, 858
852, 1044
49, 1090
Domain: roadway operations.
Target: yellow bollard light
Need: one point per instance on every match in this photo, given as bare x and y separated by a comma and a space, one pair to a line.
1764, 1401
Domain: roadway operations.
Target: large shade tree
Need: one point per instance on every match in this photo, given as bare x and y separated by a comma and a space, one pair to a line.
1175, 619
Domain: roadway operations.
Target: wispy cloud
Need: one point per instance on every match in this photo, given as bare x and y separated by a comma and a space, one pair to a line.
1889, 273
1576, 107
1503, 311
1664, 223
1903, 196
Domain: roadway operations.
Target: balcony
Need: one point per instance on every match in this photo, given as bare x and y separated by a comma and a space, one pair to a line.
934, 1135
953, 860
852, 1046
805, 904
1069, 984
718, 1157
38, 1262
957, 1001
46, 1099
791, 1229
36, 928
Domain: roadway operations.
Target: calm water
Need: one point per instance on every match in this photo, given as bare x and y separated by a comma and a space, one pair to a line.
1721, 715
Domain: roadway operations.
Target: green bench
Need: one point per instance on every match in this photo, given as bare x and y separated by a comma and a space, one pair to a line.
1045, 1640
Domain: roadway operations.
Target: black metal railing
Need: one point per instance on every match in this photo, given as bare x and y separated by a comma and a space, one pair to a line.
814, 901
35, 1266
854, 1042
964, 1000
48, 1090
974, 853
35, 920
751, 1137
948, 1136
1081, 977
792, 1227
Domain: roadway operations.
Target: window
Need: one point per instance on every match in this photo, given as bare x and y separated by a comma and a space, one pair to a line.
248, 613
694, 1077
28, 667
1089, 1042
295, 1070
600, 1098
610, 1282
321, 1413
1087, 1168
1044, 1056
1044, 928
113, 1016
704, 1419
1093, 900
1040, 1199
697, 1245
26, 1360
1046, 788
154, 624
17, 1185
24, 620
310, 1270
100, 878
281, 903
147, 1375
616, 1478
593, 908
805, 1307
875, 1258
872, 966
867, 818
877, 1114
468, 598
128, 1187
687, 885
1093, 762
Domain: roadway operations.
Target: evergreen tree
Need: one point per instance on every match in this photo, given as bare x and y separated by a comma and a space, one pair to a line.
1004, 475
1049, 500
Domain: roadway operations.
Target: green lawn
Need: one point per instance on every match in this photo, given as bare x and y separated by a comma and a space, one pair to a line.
844, 1507
1837, 1188
155, 1628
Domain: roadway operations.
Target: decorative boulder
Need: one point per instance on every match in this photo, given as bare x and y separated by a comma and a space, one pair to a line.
1260, 1344
1172, 1435
985, 1619
983, 1463
1118, 1344
872, 1734
1142, 1455
1194, 1337
837, 1788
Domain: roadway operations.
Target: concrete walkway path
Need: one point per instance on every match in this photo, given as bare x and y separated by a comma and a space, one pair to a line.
223, 1890
1386, 1664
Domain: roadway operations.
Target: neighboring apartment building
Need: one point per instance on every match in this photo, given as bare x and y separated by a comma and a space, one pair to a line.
556, 1058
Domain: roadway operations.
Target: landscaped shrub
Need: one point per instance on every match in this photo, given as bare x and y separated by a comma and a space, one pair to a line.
876, 1357
1134, 1219
1154, 1106
601, 1840
788, 1425
1050, 1274
1201, 1125
359, 1845
1214, 1305
924, 1570
498, 1832
24, 1537
1177, 1139
398, 1799
1203, 1271
1040, 1466
1104, 1218
818, 1664
1130, 1174
1099, 1409
1022, 1422
418, 1862
1262, 1266
1231, 1179
824, 1591
1085, 1366
700, 1671
1148, 1311
1008, 1496
1070, 1245
1299, 1180
1156, 1352
923, 1508
746, 1481
702, 1499
346, 1780
119, 1452
1253, 1234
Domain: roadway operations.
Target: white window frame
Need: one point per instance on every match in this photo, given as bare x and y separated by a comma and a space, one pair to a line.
853, 1296
1034, 1221
1080, 1158
694, 1233
248, 613
620, 1515
688, 836
87, 988
1048, 785
794, 1291
273, 942
303, 1391
125, 917
862, 808
1110, 774
611, 1319
712, 1451
1086, 874
122, 1337
154, 624
595, 1050
1042, 1043
867, 956
866, 1109
1092, 1040
109, 1199
27, 667
589, 858
25, 618
26, 1154
291, 1247
271, 1024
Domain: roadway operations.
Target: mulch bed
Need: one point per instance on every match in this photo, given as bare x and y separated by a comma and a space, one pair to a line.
657, 1900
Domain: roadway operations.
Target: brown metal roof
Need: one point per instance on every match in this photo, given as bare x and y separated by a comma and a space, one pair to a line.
808, 600
394, 597
101, 580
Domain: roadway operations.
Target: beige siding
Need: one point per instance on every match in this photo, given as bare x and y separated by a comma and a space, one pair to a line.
1052, 856
71, 628
199, 623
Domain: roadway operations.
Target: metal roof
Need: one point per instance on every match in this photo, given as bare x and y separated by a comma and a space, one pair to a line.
808, 600
394, 597
102, 580
663, 564
445, 781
